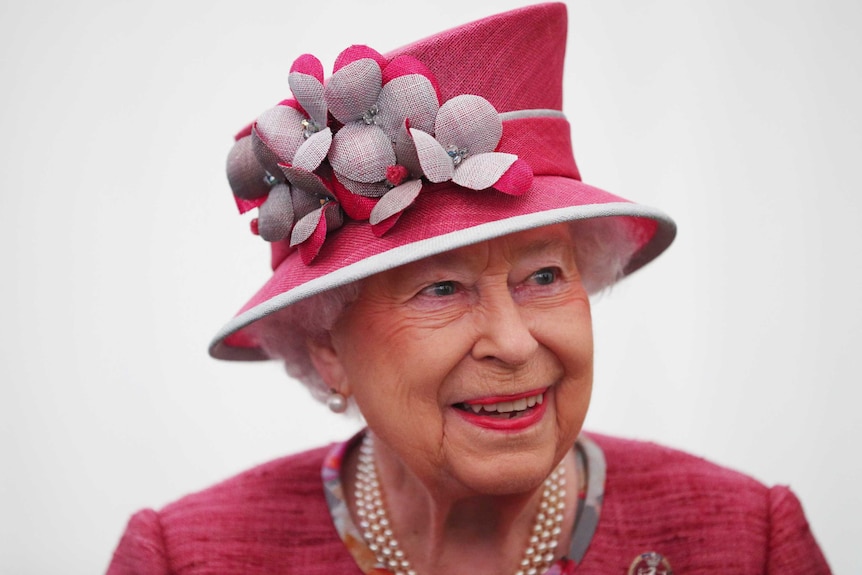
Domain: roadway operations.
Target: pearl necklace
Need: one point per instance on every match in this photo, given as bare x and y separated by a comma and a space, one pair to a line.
377, 530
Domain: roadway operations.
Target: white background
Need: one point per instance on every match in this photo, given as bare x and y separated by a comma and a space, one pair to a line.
122, 252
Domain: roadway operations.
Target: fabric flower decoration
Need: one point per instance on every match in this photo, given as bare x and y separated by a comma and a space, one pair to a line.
362, 146
248, 179
372, 155
467, 130
293, 132
316, 208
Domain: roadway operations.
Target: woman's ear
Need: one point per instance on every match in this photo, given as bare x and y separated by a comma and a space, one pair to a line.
326, 361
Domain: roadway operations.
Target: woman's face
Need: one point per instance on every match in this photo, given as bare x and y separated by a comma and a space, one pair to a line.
473, 368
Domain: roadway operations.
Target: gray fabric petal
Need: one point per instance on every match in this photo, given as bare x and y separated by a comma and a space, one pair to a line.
305, 227
352, 90
436, 163
275, 217
307, 182
372, 190
395, 200
470, 122
304, 203
361, 152
244, 172
312, 152
280, 131
308, 91
483, 170
405, 152
334, 218
407, 97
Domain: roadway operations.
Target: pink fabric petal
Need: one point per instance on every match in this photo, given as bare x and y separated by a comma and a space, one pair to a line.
355, 206
308, 91
308, 64
246, 205
483, 170
435, 162
406, 64
410, 97
396, 200
361, 152
517, 179
352, 90
244, 172
470, 122
380, 229
276, 214
244, 132
292, 103
279, 130
358, 52
313, 151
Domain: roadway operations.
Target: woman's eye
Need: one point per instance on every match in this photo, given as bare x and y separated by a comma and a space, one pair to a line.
545, 276
441, 289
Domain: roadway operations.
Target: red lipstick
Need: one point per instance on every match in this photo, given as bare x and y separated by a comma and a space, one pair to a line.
523, 420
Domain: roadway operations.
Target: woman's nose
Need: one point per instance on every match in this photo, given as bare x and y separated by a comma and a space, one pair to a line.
502, 332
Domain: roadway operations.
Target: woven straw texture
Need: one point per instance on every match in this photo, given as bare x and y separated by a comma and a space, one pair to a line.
513, 60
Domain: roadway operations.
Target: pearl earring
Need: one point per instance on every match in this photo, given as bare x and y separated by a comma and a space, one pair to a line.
336, 402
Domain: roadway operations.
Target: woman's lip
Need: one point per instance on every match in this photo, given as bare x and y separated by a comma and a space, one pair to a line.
501, 398
530, 418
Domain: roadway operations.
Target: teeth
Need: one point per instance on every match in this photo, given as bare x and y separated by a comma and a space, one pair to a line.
508, 406
505, 406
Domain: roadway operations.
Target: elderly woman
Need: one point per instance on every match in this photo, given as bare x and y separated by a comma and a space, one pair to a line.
433, 251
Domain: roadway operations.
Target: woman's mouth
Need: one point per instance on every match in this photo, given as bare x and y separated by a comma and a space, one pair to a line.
505, 413
504, 409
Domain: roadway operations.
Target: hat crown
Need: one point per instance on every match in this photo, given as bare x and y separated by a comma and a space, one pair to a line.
514, 60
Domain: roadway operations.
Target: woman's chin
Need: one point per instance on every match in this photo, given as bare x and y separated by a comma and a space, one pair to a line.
516, 474
491, 459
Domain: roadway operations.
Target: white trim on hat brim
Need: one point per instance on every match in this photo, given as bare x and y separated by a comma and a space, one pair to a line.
418, 250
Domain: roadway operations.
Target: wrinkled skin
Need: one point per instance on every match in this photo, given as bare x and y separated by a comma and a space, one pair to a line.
499, 318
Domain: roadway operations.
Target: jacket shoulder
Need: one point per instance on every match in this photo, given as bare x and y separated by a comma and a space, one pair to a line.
703, 517
651, 466
270, 519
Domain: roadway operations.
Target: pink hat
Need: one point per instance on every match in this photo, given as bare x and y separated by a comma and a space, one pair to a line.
452, 140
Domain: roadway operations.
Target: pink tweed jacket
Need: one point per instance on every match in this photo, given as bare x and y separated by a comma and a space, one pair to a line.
273, 519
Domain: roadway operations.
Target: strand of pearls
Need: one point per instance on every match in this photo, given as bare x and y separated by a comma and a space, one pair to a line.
377, 530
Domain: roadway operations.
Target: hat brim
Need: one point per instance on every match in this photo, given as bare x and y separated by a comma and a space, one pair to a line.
440, 220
